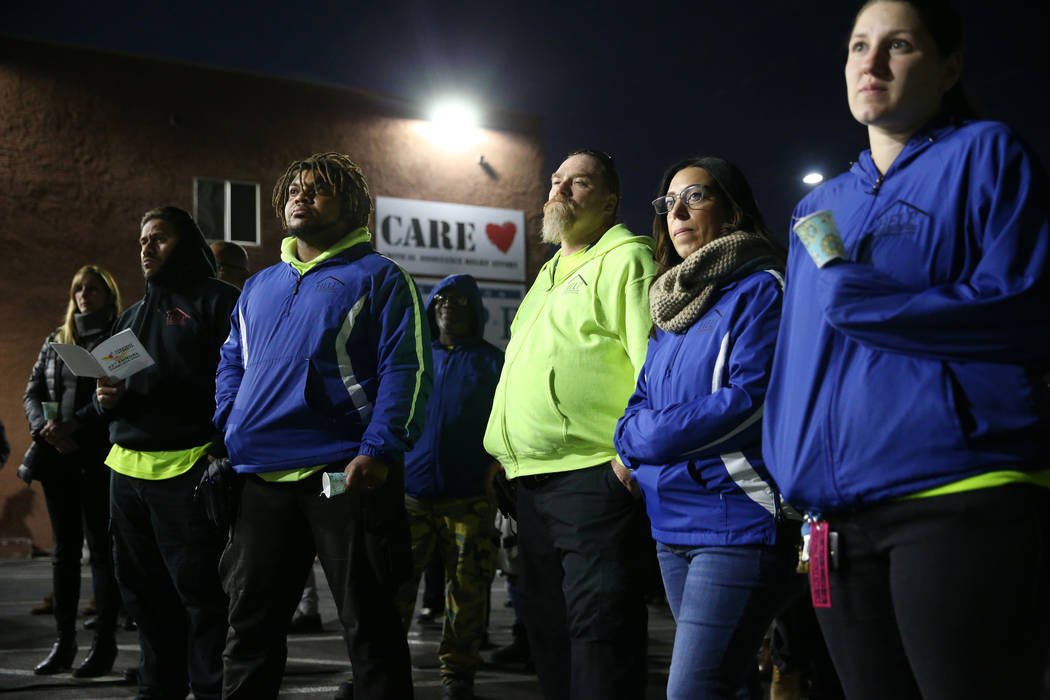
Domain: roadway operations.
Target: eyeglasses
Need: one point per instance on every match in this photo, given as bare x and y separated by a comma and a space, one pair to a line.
690, 196
457, 300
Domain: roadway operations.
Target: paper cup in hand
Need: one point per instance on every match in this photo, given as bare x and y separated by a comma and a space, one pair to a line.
50, 410
333, 483
820, 235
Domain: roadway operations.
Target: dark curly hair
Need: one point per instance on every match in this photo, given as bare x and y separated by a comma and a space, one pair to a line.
338, 172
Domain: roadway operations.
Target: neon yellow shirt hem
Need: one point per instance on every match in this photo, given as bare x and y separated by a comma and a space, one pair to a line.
290, 475
154, 466
986, 481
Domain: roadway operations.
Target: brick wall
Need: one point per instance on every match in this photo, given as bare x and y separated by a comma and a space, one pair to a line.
90, 140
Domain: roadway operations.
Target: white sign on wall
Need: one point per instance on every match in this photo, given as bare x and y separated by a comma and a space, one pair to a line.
439, 239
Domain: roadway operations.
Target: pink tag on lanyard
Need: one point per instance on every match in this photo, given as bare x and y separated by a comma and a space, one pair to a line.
818, 565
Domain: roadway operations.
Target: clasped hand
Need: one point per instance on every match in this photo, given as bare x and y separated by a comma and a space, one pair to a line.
365, 473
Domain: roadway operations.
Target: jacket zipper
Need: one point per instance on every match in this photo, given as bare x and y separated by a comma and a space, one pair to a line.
295, 293
439, 386
876, 186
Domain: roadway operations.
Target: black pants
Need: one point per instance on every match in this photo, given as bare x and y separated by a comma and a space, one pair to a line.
365, 550
167, 556
77, 495
943, 598
582, 543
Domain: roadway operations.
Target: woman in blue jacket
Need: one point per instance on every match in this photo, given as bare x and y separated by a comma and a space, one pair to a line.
907, 409
692, 430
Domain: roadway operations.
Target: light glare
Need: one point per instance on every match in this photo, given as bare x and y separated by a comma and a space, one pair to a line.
813, 178
452, 124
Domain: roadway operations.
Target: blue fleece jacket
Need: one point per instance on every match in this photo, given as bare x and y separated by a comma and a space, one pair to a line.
919, 361
449, 460
323, 366
692, 428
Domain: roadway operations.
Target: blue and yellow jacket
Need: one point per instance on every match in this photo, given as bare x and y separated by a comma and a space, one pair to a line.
919, 361
692, 431
449, 460
323, 366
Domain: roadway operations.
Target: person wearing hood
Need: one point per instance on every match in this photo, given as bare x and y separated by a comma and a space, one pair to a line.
576, 346
446, 478
166, 551
70, 442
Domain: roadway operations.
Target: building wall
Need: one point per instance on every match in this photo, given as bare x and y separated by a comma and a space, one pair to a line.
90, 140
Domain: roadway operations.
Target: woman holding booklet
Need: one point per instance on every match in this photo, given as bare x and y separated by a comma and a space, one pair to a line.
907, 410
70, 442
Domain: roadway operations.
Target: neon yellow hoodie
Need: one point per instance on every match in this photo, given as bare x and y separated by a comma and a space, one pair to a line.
576, 347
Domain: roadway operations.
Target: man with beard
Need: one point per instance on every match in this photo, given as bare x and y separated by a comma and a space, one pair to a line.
326, 370
577, 344
166, 552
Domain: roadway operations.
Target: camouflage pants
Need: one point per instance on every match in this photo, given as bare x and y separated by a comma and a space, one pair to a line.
463, 533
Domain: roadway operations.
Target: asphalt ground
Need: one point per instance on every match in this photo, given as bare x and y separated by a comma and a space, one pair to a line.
317, 663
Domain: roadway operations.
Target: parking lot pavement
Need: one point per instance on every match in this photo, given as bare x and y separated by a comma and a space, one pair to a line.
317, 663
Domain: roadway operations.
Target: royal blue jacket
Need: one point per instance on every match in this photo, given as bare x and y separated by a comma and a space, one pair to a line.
692, 430
324, 366
449, 460
919, 361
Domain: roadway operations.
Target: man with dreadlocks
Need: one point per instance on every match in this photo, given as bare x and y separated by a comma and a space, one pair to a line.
327, 369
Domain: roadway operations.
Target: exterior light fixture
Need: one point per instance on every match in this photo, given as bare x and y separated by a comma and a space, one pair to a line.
813, 178
453, 124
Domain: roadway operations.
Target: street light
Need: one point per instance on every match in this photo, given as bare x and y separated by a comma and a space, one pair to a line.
813, 178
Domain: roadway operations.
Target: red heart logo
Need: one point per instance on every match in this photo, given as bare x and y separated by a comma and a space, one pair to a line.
501, 236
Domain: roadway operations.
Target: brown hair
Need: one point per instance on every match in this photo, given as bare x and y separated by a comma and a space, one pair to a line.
341, 174
734, 193
944, 25
67, 332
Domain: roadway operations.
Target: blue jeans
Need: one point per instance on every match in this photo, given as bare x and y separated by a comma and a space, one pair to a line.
723, 599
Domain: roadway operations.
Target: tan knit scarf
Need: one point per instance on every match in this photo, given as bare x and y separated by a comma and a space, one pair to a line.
685, 292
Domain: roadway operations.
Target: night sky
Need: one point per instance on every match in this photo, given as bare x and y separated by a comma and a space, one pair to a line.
759, 83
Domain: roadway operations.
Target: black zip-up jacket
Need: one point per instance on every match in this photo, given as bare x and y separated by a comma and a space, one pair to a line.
182, 321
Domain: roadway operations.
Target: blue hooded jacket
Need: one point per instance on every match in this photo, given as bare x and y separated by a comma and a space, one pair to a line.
919, 361
449, 460
693, 427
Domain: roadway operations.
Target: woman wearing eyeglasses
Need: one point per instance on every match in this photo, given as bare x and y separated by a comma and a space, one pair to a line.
691, 433
908, 409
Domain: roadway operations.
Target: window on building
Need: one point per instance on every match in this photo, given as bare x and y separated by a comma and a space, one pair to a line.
227, 210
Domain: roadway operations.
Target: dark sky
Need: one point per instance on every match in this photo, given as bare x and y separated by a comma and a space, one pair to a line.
759, 83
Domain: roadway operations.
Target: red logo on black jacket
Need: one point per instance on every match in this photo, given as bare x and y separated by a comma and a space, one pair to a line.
176, 317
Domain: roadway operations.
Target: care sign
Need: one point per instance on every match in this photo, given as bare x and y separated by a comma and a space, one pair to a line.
439, 239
